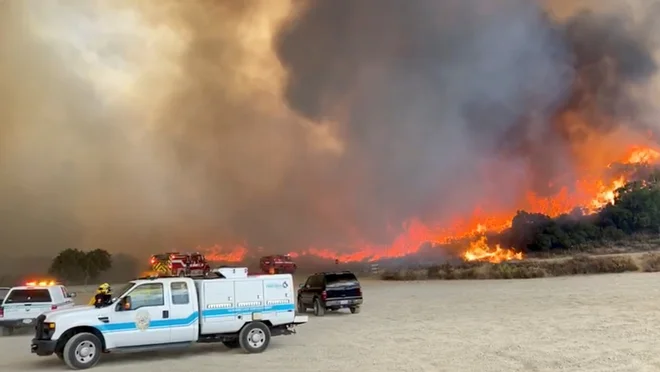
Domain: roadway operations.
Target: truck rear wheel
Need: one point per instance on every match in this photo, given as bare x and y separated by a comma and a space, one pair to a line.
319, 310
254, 337
355, 310
82, 351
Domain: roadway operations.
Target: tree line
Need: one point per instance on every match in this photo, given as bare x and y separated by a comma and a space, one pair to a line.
77, 266
635, 210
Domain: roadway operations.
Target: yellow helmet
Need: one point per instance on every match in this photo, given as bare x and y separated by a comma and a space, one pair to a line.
104, 288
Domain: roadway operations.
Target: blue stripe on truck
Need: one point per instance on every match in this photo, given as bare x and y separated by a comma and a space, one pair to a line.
192, 318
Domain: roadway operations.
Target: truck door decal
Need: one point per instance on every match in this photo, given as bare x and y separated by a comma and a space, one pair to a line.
142, 320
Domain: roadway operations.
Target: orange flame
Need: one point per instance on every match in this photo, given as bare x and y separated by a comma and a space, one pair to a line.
232, 254
591, 193
480, 251
643, 156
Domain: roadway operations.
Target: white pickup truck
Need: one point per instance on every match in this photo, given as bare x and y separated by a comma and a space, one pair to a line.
21, 305
234, 308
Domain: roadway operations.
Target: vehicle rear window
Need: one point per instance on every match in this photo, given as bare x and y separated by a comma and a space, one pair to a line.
341, 279
19, 296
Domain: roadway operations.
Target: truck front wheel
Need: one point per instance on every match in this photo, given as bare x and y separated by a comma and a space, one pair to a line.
82, 351
254, 337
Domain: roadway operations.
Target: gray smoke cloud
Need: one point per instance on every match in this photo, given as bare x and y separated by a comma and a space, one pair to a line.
437, 87
143, 126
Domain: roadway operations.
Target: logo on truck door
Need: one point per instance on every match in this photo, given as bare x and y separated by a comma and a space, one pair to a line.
142, 320
276, 285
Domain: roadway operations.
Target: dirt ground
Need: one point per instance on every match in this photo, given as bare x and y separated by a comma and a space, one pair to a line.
596, 323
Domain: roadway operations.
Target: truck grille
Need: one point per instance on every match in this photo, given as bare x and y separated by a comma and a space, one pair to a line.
40, 332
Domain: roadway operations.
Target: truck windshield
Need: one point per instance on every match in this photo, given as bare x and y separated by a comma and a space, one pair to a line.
127, 287
340, 280
21, 296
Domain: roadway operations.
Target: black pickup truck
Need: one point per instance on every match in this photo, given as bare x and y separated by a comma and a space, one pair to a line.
330, 291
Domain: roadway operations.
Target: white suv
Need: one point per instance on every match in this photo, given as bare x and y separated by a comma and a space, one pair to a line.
22, 305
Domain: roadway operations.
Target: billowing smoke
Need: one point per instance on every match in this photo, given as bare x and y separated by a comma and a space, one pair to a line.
140, 125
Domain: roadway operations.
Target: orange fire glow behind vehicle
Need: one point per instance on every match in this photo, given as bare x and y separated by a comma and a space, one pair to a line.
594, 191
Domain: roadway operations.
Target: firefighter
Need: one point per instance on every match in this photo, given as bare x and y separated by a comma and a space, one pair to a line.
103, 296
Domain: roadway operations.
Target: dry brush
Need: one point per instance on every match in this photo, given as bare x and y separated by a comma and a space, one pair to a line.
526, 269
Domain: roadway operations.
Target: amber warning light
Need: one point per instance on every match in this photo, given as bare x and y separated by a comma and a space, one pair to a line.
44, 283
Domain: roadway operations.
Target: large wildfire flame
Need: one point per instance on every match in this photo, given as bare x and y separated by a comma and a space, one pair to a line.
417, 234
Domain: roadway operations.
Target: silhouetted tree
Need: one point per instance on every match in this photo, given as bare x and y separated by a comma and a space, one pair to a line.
74, 265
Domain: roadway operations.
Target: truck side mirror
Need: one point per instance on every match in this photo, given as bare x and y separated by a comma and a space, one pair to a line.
72, 294
301, 286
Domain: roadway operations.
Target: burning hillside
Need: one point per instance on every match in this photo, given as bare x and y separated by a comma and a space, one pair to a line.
346, 129
471, 231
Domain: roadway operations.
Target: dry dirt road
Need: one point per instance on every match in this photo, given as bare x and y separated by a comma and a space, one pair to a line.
596, 323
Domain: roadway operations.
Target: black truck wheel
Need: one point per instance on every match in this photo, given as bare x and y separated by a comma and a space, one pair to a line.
82, 351
319, 310
355, 309
300, 306
254, 337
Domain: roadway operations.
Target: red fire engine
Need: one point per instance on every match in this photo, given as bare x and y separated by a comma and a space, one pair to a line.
180, 264
277, 264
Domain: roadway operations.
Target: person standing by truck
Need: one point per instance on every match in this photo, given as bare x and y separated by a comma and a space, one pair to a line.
103, 296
